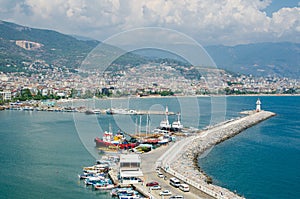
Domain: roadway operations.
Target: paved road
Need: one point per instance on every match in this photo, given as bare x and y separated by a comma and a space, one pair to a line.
150, 174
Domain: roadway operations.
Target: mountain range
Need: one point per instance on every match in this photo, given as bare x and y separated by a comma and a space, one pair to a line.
19, 44
281, 59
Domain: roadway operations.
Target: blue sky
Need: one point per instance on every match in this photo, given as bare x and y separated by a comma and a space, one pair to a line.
210, 22
278, 4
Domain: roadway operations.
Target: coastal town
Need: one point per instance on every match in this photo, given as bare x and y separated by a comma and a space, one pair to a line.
40, 81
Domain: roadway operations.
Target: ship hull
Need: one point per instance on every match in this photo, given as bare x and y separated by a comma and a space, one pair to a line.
101, 143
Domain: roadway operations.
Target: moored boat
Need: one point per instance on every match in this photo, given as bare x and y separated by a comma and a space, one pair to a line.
93, 180
120, 111
125, 193
104, 187
176, 125
109, 141
164, 124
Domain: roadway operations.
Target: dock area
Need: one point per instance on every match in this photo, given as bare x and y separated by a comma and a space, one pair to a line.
181, 160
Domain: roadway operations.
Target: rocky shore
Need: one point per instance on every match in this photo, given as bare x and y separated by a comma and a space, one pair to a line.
186, 164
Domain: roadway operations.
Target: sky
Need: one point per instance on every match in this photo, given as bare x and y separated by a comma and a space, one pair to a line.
210, 22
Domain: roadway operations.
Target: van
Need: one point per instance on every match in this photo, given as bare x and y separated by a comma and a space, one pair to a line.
184, 187
174, 182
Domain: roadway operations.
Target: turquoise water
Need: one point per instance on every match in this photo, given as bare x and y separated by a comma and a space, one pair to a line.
263, 161
42, 152
41, 156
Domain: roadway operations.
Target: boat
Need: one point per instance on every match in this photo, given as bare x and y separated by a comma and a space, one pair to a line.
164, 124
129, 195
109, 149
110, 141
125, 193
114, 192
93, 180
160, 131
163, 141
176, 125
104, 187
120, 111
85, 175
95, 170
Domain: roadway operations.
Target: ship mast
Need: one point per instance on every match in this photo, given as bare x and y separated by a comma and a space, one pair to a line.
167, 112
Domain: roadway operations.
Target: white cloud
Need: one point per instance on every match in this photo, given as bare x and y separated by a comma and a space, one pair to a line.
208, 21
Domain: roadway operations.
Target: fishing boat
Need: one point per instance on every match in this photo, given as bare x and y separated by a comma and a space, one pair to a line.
104, 187
93, 180
109, 141
99, 168
129, 195
103, 184
124, 193
86, 175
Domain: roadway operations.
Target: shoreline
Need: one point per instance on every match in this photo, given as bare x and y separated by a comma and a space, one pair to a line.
185, 165
177, 96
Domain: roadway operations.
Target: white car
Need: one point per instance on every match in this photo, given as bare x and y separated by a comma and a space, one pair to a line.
165, 193
156, 187
160, 175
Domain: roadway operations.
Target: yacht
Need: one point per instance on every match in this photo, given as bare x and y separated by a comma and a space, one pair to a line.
176, 125
164, 124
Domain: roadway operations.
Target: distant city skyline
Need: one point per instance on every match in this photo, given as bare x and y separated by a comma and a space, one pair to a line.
228, 22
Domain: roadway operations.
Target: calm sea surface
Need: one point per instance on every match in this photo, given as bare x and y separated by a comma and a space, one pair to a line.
42, 152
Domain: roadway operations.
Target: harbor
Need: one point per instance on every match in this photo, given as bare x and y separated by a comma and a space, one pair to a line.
249, 163
179, 160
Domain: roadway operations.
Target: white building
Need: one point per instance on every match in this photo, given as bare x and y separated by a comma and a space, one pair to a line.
5, 95
130, 168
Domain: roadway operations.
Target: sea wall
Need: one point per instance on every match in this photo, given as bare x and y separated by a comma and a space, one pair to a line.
185, 165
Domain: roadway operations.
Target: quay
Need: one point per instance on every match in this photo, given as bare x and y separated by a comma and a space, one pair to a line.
181, 159
53, 108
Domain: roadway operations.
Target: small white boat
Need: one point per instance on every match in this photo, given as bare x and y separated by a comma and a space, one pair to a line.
104, 187
164, 124
176, 125
93, 180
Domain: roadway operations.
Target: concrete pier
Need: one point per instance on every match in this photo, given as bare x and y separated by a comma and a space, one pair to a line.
180, 160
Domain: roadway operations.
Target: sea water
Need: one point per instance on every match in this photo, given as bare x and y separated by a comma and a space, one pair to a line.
42, 152
264, 160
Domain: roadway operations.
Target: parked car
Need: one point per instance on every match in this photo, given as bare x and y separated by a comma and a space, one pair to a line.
184, 187
165, 193
160, 175
177, 197
152, 183
156, 187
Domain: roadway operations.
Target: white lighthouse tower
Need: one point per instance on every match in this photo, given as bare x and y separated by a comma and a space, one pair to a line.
258, 105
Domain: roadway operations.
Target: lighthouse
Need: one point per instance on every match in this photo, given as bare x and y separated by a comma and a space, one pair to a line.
258, 105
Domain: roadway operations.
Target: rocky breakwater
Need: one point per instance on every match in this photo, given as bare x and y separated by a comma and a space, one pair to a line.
186, 164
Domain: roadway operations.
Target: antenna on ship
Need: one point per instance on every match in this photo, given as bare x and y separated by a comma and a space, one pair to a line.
167, 112
140, 127
147, 121
136, 126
